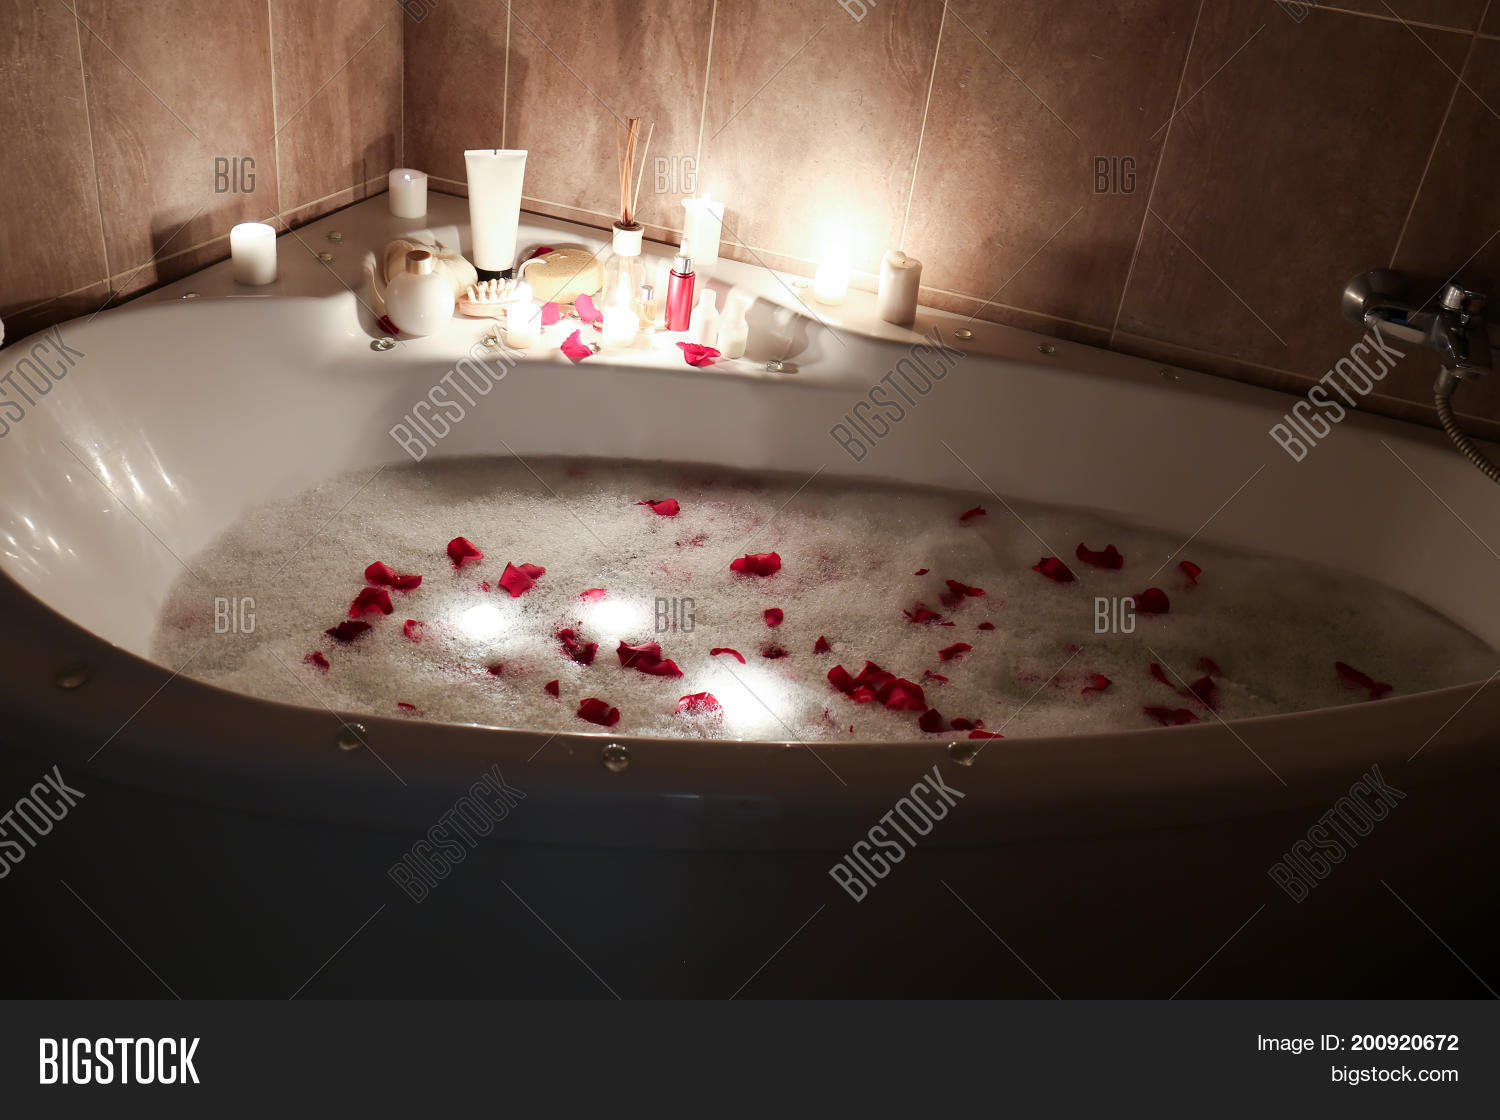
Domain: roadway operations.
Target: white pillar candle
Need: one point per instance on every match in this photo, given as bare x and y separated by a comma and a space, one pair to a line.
900, 278
620, 326
408, 193
523, 322
252, 253
702, 226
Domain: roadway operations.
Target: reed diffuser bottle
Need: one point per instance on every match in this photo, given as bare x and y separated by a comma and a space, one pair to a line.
624, 270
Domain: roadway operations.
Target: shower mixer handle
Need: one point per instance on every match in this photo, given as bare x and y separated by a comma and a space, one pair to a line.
1446, 317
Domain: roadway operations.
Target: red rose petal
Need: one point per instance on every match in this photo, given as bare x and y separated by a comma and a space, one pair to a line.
961, 589
696, 355
1096, 682
1109, 558
497, 669
902, 695
921, 571
1054, 569
954, 652
1208, 665
574, 349
1204, 691
646, 658
874, 683
597, 711
773, 652
977, 511
757, 564
461, 551
520, 580
347, 631
405, 707
773, 616
593, 594
725, 649
700, 704
986, 626
540, 250
1160, 674
930, 720
1171, 717
978, 734
1355, 678
1191, 570
922, 614
551, 314
550, 688
316, 658
1153, 600
581, 652
821, 645
929, 675
962, 724
382, 574
666, 507
371, 599
587, 312
414, 630
483, 585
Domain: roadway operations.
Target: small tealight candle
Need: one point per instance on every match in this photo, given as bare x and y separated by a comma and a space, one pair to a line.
620, 326
831, 281
523, 321
252, 253
408, 193
702, 226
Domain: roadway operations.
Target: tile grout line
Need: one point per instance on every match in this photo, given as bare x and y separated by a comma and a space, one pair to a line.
401, 101
275, 109
88, 120
916, 163
1437, 138
505, 83
708, 68
1161, 160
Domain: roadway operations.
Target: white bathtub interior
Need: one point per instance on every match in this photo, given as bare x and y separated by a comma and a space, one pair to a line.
183, 413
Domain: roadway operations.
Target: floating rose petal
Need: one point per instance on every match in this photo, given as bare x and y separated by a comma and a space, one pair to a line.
550, 688
483, 585
867, 686
922, 614
587, 312
773, 652
757, 564
1356, 679
725, 649
647, 658
369, 600
902, 695
405, 707
575, 350
978, 734
929, 675
1153, 600
497, 669
773, 616
931, 720
954, 652
551, 314
921, 571
969, 515
962, 724
382, 574
1208, 665
666, 507
700, 704
593, 594
581, 652
1109, 558
821, 645
597, 711
986, 626
1171, 717
1054, 569
1095, 682
696, 355
347, 631
1160, 674
461, 551
1204, 691
961, 589
415, 631
520, 580
1192, 571
316, 658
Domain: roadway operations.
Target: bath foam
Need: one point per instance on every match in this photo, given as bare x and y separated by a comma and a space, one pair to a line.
1271, 629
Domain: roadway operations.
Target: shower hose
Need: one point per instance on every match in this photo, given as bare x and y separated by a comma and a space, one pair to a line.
1442, 391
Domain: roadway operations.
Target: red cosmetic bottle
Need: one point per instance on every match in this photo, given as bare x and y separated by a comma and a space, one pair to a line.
680, 290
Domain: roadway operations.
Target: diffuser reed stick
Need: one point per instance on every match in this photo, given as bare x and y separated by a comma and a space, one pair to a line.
625, 162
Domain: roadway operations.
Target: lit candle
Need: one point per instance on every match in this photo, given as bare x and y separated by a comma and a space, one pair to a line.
900, 277
408, 193
831, 282
621, 323
523, 320
252, 253
702, 226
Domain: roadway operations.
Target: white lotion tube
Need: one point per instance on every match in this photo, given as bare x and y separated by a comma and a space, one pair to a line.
495, 176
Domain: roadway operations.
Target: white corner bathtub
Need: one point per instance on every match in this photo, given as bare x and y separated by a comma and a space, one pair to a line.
1105, 864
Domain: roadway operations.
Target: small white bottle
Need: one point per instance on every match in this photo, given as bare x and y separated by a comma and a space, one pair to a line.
419, 300
703, 326
734, 332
